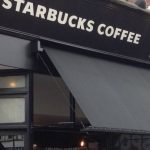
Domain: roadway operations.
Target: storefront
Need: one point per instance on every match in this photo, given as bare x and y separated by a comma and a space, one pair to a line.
74, 75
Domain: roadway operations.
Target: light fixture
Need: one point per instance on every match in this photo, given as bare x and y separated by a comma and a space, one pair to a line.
34, 146
12, 84
82, 143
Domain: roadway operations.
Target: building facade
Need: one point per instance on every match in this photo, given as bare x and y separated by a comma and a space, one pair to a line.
74, 75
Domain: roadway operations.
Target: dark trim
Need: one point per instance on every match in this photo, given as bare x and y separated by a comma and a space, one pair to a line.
58, 129
30, 99
17, 93
13, 91
26, 93
97, 130
29, 111
13, 127
124, 60
29, 141
72, 109
13, 72
72, 47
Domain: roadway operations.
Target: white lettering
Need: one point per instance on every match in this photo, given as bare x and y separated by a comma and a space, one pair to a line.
124, 34
137, 38
73, 21
90, 26
29, 8
80, 24
61, 19
41, 11
18, 4
70, 21
130, 37
109, 31
117, 32
101, 28
52, 15
7, 4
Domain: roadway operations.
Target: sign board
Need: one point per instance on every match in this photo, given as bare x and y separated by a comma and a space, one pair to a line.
98, 25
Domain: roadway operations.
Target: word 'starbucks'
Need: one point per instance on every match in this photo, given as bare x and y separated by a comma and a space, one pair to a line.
49, 14
72, 21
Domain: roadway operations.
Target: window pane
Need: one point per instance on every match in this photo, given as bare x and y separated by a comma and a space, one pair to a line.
51, 100
12, 110
12, 82
146, 142
80, 116
12, 142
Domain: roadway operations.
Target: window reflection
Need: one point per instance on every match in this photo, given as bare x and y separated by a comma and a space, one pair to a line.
12, 142
12, 110
131, 142
12, 82
50, 93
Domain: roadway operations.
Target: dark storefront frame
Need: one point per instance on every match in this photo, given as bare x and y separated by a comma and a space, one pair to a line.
26, 93
36, 43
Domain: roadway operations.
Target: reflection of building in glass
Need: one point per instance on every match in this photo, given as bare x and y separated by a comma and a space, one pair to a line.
148, 4
12, 141
133, 142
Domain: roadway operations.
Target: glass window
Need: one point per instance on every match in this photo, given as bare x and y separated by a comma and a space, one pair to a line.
130, 141
136, 142
51, 100
146, 142
12, 82
12, 142
80, 116
12, 110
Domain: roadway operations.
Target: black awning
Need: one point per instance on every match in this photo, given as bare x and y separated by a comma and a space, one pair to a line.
112, 95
